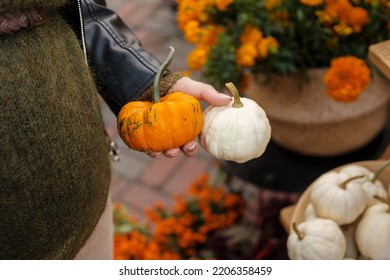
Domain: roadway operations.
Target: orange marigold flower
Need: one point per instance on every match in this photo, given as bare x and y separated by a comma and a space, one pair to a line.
346, 78
246, 55
324, 17
311, 3
192, 31
269, 4
192, 10
251, 34
343, 29
266, 46
338, 9
358, 17
223, 4
180, 206
197, 58
231, 200
345, 17
185, 14
199, 185
130, 246
207, 36
216, 194
282, 17
167, 255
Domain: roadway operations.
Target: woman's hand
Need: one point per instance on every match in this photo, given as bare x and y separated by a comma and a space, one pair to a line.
200, 91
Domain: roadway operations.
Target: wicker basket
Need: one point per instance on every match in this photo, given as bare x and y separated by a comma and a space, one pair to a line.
306, 121
298, 213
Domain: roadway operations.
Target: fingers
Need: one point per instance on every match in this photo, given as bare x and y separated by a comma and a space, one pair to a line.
213, 97
201, 91
172, 153
153, 154
189, 149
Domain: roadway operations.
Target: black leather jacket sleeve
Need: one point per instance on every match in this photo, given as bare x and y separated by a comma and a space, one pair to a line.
122, 68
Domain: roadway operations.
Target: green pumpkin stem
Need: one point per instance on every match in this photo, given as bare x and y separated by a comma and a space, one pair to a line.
379, 171
344, 184
383, 200
299, 233
161, 70
236, 96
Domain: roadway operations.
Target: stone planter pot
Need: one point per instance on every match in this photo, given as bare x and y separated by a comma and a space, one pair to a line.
306, 121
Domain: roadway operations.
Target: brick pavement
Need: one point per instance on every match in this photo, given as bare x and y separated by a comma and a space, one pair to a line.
139, 181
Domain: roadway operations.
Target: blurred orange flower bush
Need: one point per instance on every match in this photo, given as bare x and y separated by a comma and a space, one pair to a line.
180, 232
234, 38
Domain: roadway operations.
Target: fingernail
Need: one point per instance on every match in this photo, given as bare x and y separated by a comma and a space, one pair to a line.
225, 95
154, 155
173, 154
191, 147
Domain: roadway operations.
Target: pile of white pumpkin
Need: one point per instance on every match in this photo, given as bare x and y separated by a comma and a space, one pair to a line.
347, 217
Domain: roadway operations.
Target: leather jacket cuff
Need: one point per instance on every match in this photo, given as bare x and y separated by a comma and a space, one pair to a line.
167, 81
123, 69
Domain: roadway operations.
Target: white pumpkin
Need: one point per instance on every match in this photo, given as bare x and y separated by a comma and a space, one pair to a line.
338, 196
352, 251
369, 182
316, 239
362, 257
310, 212
372, 232
373, 189
238, 132
354, 169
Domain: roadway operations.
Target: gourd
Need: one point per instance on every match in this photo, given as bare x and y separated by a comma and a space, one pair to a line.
316, 239
237, 132
165, 123
310, 212
372, 232
339, 197
351, 251
370, 183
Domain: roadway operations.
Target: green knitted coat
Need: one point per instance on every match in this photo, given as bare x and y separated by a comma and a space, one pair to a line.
54, 166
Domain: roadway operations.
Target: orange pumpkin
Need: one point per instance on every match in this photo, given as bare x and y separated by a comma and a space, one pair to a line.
162, 124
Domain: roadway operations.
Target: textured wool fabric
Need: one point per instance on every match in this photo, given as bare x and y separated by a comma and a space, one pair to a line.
12, 6
54, 166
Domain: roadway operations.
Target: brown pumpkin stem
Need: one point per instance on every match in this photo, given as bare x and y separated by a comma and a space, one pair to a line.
344, 184
161, 70
299, 233
379, 171
236, 96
